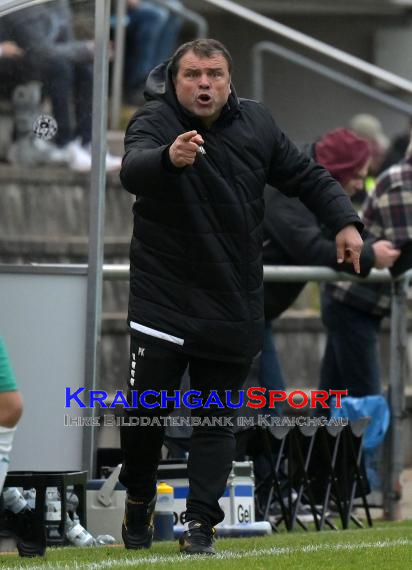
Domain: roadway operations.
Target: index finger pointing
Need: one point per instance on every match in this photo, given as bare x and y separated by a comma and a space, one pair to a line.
356, 263
185, 137
354, 258
197, 139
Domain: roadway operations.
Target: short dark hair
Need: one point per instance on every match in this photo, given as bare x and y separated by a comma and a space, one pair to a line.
201, 48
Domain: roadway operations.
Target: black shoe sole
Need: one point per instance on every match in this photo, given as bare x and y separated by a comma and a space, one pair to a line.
190, 548
188, 552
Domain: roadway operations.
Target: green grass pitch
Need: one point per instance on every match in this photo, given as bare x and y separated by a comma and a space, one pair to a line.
385, 546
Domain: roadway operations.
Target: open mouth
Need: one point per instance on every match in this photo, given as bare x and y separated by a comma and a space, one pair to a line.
204, 98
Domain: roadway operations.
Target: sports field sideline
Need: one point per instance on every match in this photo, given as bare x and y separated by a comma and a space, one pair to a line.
386, 545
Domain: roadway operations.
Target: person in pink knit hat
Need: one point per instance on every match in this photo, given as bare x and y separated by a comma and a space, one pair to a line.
347, 157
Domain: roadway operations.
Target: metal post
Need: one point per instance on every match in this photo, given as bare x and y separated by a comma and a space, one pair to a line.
96, 218
118, 64
393, 445
200, 23
257, 72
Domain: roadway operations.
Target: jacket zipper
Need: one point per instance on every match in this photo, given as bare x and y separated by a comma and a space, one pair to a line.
245, 235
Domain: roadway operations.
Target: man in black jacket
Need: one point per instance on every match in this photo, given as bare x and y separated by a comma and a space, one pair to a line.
197, 158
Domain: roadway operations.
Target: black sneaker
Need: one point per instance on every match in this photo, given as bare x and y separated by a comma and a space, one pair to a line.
30, 533
137, 527
198, 539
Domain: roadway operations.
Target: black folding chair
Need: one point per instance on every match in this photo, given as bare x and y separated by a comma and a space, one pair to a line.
275, 440
357, 485
266, 447
337, 472
323, 472
301, 445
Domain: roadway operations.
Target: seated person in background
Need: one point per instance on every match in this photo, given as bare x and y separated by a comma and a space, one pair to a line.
398, 147
293, 236
152, 32
353, 312
64, 66
370, 128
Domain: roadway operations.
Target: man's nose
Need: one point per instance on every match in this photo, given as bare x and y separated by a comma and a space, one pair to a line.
204, 81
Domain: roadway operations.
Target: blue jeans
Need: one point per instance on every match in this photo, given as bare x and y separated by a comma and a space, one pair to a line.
351, 359
151, 38
70, 85
270, 371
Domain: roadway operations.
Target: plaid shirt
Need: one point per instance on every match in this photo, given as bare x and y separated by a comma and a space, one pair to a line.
387, 214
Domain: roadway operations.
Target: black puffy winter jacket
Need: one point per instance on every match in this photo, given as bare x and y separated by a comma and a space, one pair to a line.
195, 255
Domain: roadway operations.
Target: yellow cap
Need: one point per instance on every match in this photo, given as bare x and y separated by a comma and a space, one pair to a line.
164, 488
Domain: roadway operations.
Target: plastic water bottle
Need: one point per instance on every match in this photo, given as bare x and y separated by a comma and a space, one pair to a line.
72, 501
13, 500
104, 539
77, 535
53, 505
163, 515
53, 513
30, 496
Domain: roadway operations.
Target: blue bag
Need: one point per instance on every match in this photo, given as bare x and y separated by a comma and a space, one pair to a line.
376, 407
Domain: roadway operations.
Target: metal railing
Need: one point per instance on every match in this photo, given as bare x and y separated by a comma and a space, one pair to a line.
314, 44
398, 345
9, 6
347, 81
